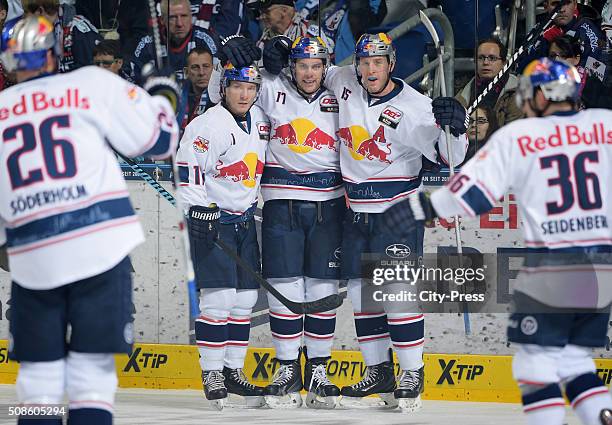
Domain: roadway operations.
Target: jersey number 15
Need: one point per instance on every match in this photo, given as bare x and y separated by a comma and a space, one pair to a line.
51, 150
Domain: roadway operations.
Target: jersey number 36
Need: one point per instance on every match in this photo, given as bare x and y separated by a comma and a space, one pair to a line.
586, 183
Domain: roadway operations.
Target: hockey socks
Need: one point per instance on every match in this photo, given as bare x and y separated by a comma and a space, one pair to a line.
88, 416
544, 406
588, 396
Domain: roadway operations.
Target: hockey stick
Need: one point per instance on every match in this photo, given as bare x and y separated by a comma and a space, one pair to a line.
449, 148
535, 31
318, 306
190, 274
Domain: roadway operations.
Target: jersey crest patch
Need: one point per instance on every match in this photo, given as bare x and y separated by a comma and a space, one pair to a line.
263, 128
391, 116
200, 145
329, 103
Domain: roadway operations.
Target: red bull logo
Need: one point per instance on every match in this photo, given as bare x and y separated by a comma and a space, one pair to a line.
200, 145
246, 171
302, 136
362, 146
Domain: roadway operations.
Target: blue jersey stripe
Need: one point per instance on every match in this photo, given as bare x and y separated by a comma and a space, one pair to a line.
380, 190
477, 200
161, 146
280, 176
58, 224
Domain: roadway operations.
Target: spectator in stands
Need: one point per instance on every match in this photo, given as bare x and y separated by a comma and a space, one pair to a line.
280, 17
183, 37
78, 36
568, 49
195, 94
490, 59
569, 22
483, 123
107, 55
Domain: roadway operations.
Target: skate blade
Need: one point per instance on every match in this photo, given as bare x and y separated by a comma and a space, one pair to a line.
217, 404
246, 402
315, 402
387, 401
410, 405
288, 401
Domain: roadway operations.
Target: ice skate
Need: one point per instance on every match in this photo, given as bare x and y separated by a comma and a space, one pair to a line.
322, 394
284, 391
214, 388
409, 388
379, 379
237, 383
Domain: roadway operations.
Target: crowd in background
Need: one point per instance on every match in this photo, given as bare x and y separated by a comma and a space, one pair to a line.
116, 35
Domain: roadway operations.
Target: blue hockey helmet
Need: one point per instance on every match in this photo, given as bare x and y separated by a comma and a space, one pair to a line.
309, 48
559, 81
374, 45
246, 74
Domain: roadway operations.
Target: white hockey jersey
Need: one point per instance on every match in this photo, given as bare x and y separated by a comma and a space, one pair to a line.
303, 159
63, 199
382, 140
220, 162
560, 169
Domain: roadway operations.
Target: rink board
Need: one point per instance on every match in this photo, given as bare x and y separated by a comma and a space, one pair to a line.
450, 377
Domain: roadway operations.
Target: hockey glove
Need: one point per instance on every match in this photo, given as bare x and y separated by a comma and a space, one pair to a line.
403, 217
276, 54
161, 83
239, 51
449, 111
204, 224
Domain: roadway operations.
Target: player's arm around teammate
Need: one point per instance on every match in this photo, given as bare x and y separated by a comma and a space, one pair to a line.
220, 159
385, 127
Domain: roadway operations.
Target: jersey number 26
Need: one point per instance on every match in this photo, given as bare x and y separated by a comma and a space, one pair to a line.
51, 150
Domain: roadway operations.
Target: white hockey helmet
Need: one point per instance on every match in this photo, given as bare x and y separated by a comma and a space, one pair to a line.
29, 42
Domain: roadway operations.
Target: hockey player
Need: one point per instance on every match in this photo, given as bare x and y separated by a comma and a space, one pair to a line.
557, 163
67, 221
302, 220
221, 159
385, 128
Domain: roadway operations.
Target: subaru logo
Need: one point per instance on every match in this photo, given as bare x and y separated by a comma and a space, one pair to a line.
398, 250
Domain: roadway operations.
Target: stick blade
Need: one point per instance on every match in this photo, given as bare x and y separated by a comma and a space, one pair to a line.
430, 28
330, 302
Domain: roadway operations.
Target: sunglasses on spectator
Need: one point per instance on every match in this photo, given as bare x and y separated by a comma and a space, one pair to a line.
479, 121
104, 63
490, 58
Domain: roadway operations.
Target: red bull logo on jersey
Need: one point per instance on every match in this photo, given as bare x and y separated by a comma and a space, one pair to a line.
362, 146
245, 171
200, 145
302, 136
